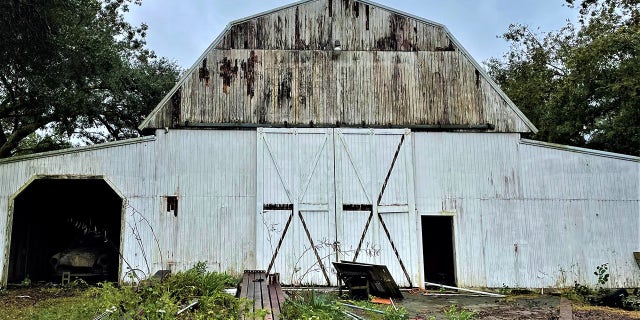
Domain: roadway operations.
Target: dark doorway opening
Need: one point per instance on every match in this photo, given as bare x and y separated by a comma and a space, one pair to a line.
65, 225
437, 246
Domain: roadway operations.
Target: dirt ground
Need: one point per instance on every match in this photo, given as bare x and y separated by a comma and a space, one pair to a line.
593, 313
522, 307
419, 306
28, 296
23, 297
541, 307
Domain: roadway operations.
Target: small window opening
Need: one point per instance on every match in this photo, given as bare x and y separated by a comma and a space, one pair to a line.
172, 205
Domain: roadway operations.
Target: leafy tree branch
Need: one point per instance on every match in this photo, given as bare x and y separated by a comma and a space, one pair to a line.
579, 84
74, 66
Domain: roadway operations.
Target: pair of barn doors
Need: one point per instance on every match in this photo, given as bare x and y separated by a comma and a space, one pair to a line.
327, 195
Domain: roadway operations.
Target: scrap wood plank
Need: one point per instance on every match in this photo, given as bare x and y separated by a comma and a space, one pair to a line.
276, 296
263, 290
258, 282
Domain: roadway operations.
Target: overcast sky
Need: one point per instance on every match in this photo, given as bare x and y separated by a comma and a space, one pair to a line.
182, 30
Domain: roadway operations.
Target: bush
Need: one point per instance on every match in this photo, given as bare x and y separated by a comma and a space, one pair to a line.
454, 313
155, 299
197, 282
631, 302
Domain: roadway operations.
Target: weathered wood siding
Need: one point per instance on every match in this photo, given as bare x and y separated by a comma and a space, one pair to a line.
393, 70
316, 25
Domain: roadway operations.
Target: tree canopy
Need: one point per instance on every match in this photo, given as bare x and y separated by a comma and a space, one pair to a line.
74, 70
581, 84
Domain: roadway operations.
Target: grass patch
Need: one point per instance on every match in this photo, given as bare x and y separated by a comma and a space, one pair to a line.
154, 299
313, 305
73, 307
78, 307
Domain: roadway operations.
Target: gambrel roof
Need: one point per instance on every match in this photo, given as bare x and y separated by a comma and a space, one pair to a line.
337, 63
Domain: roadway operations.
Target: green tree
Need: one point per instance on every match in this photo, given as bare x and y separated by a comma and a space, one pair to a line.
74, 69
581, 84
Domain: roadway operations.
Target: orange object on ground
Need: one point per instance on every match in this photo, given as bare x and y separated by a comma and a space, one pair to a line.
381, 300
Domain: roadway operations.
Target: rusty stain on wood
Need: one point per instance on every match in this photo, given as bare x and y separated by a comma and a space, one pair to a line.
248, 68
315, 25
366, 13
449, 47
266, 101
284, 87
299, 42
364, 88
397, 38
175, 107
203, 72
261, 32
227, 73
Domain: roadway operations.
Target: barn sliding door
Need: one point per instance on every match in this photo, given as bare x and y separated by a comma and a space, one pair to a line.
335, 194
296, 211
376, 221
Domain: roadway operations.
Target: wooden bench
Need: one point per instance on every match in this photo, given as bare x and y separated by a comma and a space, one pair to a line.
264, 290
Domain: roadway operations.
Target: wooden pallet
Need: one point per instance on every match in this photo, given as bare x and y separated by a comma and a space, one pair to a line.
265, 291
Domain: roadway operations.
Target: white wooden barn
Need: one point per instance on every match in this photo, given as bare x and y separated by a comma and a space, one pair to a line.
332, 130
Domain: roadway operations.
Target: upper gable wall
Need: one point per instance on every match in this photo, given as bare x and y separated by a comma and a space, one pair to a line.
280, 68
316, 25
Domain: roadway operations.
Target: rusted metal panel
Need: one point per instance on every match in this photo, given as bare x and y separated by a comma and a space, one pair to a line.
280, 67
530, 214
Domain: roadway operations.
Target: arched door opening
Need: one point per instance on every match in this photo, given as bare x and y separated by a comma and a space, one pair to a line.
65, 225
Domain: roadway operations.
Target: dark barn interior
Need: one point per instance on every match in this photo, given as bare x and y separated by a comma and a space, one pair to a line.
437, 244
65, 225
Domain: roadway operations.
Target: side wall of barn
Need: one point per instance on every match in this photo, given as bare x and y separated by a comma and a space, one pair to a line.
530, 214
129, 168
525, 214
211, 173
